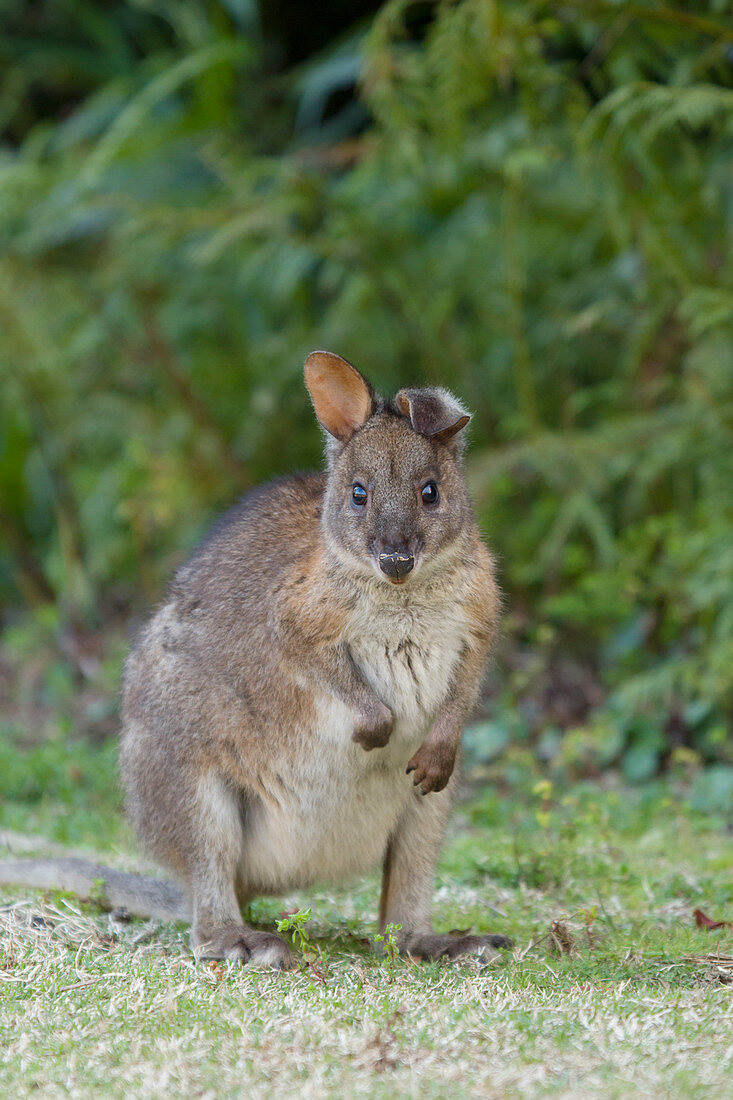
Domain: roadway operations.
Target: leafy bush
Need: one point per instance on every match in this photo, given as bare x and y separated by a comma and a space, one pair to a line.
539, 216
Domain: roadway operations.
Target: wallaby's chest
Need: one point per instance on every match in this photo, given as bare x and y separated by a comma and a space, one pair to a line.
342, 802
408, 655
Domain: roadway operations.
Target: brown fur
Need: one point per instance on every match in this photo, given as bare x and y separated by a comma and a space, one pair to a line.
284, 652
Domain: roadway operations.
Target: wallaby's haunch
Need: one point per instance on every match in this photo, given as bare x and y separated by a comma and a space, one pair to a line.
305, 685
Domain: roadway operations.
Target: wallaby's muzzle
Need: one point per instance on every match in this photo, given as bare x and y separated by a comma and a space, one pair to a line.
396, 564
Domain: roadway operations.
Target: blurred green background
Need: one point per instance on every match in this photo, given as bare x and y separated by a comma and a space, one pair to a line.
531, 203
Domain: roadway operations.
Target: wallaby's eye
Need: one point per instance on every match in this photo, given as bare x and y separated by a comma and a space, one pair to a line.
359, 494
429, 493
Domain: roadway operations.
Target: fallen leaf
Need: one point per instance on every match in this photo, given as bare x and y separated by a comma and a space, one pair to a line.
561, 939
703, 921
318, 971
217, 970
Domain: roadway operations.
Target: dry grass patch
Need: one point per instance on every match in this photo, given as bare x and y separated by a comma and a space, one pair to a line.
611, 991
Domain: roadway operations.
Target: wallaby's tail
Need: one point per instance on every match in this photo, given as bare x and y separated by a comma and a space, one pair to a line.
138, 894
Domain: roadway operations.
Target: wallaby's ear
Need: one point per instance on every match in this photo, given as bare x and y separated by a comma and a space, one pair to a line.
342, 398
433, 412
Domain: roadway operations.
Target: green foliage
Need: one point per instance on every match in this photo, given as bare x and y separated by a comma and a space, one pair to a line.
62, 787
390, 947
539, 216
295, 924
57, 54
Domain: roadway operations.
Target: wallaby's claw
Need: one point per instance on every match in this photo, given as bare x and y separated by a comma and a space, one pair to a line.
433, 767
374, 732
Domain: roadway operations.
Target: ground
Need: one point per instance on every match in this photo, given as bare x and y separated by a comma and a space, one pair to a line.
611, 990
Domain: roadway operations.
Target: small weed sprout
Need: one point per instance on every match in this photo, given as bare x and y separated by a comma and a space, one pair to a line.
391, 949
543, 790
295, 924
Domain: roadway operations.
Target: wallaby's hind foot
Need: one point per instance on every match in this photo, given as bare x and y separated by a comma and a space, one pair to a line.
242, 944
451, 945
409, 867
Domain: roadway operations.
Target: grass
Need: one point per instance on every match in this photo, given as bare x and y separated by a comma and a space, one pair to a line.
611, 990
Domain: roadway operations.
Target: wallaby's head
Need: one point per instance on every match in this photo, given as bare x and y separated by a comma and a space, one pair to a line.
396, 498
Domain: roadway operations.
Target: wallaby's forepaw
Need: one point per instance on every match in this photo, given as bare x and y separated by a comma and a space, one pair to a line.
451, 945
432, 766
244, 945
374, 730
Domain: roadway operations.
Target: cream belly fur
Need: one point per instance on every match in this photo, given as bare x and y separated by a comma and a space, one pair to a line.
329, 811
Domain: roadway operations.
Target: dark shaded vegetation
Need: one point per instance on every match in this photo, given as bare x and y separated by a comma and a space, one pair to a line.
528, 202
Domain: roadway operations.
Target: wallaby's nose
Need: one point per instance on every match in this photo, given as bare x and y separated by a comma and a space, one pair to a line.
396, 564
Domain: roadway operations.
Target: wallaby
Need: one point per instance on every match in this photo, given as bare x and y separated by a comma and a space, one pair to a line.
304, 687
